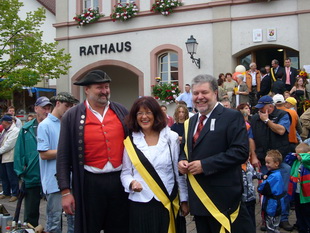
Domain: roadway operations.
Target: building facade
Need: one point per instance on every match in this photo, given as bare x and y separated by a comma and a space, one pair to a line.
134, 52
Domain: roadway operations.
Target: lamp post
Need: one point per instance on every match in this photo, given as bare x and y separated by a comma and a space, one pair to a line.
191, 46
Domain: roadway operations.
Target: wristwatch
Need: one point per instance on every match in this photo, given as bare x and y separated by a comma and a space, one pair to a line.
266, 121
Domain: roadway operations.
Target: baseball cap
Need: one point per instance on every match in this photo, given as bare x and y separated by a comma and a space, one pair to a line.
42, 101
266, 99
6, 118
291, 100
278, 99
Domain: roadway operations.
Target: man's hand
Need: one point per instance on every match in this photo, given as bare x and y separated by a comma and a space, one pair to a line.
263, 116
195, 167
68, 204
182, 166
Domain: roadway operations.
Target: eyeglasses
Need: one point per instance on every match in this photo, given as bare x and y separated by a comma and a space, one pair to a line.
144, 113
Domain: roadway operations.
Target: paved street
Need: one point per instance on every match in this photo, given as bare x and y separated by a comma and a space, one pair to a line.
10, 206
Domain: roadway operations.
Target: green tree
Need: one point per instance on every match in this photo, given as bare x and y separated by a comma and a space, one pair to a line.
24, 58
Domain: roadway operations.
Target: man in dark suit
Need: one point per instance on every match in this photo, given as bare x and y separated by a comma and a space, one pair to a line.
213, 159
276, 70
266, 83
291, 73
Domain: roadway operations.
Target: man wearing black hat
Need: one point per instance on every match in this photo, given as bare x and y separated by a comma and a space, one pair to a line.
48, 136
91, 147
270, 128
26, 161
8, 139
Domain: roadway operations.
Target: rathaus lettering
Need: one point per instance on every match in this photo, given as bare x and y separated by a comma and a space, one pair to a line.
105, 48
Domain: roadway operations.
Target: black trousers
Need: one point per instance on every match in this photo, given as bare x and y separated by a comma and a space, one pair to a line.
32, 205
243, 223
106, 203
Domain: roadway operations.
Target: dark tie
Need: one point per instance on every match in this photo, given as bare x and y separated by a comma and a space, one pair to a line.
199, 128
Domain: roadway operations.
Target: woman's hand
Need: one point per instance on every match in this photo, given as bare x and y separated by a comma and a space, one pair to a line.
135, 186
184, 208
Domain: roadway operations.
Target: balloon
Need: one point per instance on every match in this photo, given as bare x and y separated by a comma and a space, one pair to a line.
240, 68
235, 75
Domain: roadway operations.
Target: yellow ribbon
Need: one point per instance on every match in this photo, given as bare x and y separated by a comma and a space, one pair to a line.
153, 185
272, 75
204, 198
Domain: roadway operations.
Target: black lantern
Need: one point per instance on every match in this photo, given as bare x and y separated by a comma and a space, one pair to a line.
191, 46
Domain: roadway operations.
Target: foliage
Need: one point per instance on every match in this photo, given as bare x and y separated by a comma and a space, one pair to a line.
165, 7
88, 16
304, 104
166, 92
24, 58
124, 12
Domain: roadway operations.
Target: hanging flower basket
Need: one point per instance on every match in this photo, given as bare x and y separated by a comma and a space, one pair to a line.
165, 7
88, 16
165, 92
124, 12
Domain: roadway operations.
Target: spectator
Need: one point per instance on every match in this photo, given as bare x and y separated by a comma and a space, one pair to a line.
9, 178
270, 127
170, 120
273, 191
186, 97
48, 136
180, 116
11, 111
26, 161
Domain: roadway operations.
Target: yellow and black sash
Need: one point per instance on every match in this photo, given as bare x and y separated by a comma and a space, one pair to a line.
204, 198
152, 179
272, 75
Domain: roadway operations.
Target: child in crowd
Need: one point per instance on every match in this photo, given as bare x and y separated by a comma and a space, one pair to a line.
249, 194
273, 192
299, 187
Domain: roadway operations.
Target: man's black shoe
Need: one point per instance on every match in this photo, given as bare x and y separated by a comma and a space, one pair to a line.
263, 226
286, 226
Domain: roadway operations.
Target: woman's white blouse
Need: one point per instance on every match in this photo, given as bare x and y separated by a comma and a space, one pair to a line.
159, 157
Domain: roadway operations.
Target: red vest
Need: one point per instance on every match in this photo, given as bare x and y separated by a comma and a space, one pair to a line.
103, 141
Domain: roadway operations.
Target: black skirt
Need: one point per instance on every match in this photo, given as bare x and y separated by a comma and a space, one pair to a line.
150, 217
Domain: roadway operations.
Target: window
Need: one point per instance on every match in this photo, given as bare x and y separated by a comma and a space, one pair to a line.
91, 4
168, 68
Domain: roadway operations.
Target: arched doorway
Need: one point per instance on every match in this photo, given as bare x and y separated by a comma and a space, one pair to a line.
263, 56
127, 81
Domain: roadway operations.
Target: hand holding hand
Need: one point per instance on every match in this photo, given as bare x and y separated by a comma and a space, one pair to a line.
184, 208
183, 167
195, 167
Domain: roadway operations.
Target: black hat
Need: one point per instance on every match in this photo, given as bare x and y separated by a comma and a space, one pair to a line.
93, 77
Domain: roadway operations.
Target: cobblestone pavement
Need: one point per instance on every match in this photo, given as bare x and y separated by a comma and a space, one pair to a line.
10, 206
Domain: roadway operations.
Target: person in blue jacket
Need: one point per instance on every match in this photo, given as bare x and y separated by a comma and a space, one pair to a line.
273, 192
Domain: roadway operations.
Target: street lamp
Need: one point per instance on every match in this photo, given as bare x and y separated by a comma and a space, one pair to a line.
191, 46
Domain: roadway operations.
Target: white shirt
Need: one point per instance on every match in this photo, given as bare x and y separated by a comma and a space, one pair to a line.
253, 74
159, 157
205, 120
